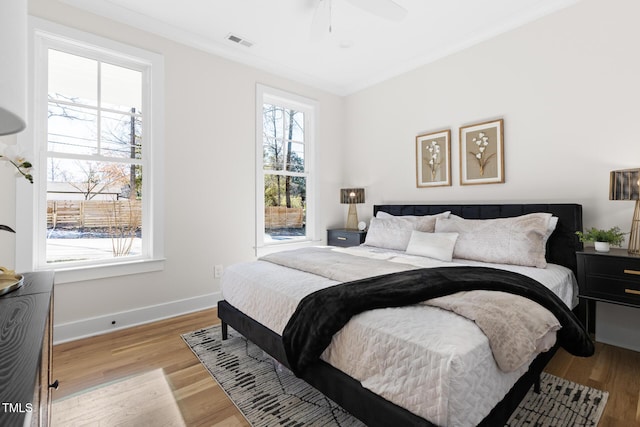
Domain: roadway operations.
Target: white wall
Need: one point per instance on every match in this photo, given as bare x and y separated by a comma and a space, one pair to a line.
210, 181
567, 87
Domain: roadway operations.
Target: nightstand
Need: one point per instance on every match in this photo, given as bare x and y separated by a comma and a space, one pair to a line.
612, 277
344, 237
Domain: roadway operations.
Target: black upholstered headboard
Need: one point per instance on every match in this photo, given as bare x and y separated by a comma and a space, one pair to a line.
561, 246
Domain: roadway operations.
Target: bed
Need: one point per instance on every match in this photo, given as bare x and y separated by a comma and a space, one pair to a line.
364, 400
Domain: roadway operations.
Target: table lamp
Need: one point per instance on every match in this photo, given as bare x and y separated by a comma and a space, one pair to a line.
625, 185
352, 196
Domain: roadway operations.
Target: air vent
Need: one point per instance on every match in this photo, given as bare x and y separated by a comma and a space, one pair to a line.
239, 40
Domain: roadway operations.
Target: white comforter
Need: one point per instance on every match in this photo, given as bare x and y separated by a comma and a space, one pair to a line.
427, 360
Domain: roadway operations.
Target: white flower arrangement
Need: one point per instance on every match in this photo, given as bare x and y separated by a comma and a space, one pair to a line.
482, 142
23, 167
13, 157
434, 158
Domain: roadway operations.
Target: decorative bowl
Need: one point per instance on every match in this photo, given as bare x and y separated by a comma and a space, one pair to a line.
9, 280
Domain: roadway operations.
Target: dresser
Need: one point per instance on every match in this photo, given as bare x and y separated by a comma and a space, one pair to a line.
26, 323
611, 277
345, 237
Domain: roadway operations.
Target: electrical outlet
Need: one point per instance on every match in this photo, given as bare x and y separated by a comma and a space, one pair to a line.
217, 271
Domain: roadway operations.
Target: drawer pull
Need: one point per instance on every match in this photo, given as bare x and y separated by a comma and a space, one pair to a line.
636, 272
341, 238
632, 291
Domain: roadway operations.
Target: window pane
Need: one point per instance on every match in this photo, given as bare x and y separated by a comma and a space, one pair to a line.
295, 157
294, 125
273, 121
285, 208
72, 129
94, 210
121, 88
273, 154
73, 78
120, 135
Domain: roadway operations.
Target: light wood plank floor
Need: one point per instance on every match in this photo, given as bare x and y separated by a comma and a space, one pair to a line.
98, 360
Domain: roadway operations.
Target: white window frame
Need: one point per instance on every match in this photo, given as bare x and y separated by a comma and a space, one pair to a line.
266, 94
31, 199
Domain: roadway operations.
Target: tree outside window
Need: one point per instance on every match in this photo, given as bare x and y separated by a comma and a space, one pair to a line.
285, 140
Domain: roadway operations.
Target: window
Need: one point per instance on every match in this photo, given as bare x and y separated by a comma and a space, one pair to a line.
285, 133
99, 151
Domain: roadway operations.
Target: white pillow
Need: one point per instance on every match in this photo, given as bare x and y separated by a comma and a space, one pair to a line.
433, 245
391, 233
519, 240
553, 222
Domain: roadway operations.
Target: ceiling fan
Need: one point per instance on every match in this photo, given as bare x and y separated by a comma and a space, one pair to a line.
387, 9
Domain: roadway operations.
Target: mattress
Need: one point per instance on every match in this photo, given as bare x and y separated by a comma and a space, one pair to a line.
429, 361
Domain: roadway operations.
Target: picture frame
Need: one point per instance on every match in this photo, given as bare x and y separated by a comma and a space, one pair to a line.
482, 153
433, 159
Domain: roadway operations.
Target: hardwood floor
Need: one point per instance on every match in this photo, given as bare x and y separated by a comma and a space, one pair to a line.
99, 360
613, 369
90, 362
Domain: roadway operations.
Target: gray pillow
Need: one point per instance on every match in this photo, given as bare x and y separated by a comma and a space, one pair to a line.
519, 240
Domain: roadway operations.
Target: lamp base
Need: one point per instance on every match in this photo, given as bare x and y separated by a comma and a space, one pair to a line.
634, 236
352, 217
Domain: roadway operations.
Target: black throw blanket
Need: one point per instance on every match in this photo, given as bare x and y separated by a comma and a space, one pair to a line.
323, 313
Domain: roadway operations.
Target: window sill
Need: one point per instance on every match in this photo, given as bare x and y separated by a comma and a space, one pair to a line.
81, 274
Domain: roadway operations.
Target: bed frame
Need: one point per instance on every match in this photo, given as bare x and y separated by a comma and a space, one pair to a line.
374, 410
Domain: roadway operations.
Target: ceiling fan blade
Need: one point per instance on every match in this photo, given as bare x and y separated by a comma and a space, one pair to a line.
321, 24
387, 9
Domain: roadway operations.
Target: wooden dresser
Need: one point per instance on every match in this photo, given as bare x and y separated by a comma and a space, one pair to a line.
26, 321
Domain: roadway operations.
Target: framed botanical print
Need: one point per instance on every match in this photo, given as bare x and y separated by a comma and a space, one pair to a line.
482, 153
433, 159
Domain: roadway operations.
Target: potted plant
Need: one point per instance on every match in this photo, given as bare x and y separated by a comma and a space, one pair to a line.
602, 239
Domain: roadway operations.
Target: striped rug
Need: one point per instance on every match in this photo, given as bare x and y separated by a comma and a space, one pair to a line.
269, 395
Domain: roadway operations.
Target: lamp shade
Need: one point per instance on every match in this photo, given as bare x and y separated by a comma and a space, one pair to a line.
352, 195
13, 66
624, 184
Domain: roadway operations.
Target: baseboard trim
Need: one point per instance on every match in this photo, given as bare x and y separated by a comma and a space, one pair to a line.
89, 327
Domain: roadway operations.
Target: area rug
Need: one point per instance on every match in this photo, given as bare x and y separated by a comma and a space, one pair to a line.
141, 400
269, 395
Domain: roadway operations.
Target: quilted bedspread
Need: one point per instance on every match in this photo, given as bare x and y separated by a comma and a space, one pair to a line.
425, 359
323, 313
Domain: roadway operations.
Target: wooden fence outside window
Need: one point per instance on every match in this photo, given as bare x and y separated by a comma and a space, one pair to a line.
100, 214
94, 213
283, 217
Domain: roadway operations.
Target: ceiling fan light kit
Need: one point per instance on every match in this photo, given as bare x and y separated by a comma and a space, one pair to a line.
386, 9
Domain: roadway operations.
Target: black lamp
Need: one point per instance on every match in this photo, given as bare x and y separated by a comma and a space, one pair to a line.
625, 185
352, 196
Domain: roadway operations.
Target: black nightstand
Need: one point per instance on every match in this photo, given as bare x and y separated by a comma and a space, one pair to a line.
344, 237
612, 277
